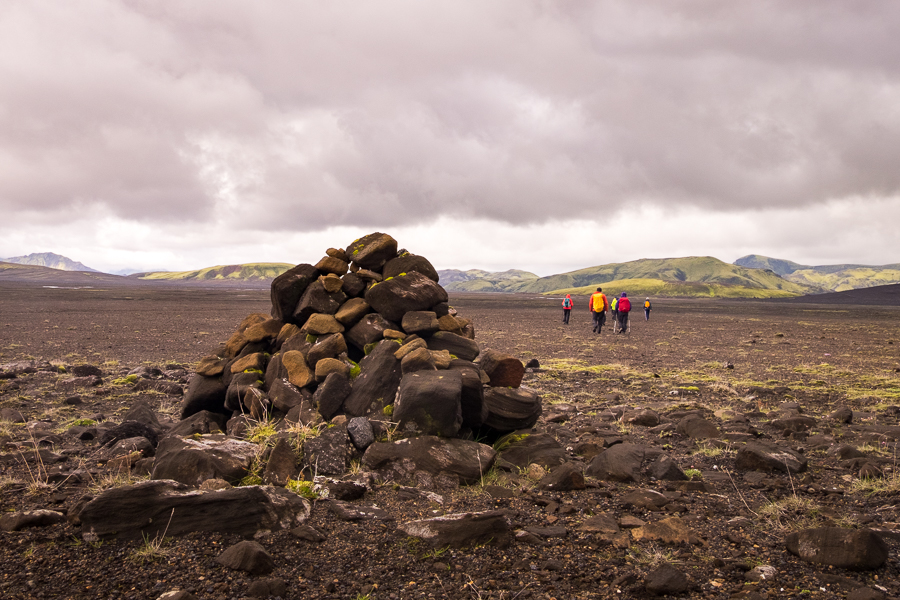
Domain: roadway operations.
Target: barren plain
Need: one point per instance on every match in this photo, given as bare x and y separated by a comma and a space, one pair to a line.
742, 365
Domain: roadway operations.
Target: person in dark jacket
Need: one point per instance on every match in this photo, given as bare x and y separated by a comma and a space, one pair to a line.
647, 308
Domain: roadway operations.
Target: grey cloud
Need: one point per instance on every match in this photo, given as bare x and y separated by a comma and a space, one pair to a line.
300, 115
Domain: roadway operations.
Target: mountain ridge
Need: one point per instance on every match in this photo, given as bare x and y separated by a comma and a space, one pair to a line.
834, 278
50, 260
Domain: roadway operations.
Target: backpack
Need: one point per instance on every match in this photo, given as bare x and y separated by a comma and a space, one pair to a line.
624, 305
567, 303
647, 304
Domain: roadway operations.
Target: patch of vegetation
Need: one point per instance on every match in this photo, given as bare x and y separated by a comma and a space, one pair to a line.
306, 489
693, 474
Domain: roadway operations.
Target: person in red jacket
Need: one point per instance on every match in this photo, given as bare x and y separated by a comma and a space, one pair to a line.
567, 305
623, 307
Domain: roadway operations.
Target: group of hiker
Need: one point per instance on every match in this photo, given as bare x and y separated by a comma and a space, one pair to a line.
620, 306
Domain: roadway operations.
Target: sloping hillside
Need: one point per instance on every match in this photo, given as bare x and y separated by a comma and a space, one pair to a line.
50, 260
476, 280
829, 277
234, 273
639, 288
849, 278
674, 271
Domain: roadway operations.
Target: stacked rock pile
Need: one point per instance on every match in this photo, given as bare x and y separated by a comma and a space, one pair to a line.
365, 332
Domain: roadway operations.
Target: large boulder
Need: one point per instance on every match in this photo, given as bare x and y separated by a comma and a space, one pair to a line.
204, 393
377, 382
328, 453
288, 288
474, 412
462, 530
455, 344
522, 450
408, 263
761, 456
153, 509
502, 369
420, 322
317, 300
191, 462
369, 330
621, 462
856, 549
400, 460
372, 251
429, 402
509, 409
393, 298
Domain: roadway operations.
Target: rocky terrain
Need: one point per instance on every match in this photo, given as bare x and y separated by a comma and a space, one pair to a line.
720, 450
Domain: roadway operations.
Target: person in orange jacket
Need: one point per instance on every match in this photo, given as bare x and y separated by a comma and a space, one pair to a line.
598, 306
567, 305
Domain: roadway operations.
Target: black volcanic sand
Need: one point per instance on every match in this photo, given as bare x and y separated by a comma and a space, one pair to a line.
819, 356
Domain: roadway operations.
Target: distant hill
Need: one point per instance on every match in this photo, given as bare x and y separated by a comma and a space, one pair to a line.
251, 272
689, 276
476, 280
56, 277
701, 276
829, 277
51, 260
779, 266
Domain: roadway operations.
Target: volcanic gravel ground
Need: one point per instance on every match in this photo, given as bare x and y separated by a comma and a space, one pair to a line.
750, 357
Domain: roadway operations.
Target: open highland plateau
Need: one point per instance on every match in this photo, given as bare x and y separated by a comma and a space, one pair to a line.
733, 425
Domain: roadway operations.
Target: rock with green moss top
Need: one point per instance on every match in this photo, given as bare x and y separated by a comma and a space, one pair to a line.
409, 263
252, 362
402, 294
372, 251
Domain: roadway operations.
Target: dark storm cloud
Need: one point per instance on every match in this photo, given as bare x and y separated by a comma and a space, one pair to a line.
301, 115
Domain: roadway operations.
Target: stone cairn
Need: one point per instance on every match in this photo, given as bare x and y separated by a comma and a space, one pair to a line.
366, 334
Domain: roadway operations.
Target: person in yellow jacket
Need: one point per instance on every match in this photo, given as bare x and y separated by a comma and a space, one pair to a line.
598, 306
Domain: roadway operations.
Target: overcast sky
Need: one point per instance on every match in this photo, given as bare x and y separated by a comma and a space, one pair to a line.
495, 134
